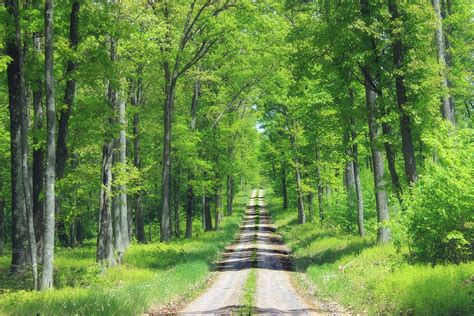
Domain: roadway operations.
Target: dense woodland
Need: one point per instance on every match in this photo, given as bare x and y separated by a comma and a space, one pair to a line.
128, 122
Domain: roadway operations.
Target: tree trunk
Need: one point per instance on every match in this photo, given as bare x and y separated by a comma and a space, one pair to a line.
38, 156
105, 251
311, 206
50, 176
122, 189
62, 153
189, 211
447, 107
217, 209
408, 149
116, 219
165, 232
190, 190
230, 194
383, 233
137, 101
17, 107
299, 187
207, 214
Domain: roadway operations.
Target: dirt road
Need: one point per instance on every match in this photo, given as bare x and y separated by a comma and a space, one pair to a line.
259, 247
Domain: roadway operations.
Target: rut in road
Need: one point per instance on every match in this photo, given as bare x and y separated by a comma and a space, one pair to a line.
274, 292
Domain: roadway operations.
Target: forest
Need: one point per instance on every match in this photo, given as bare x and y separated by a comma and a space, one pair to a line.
325, 145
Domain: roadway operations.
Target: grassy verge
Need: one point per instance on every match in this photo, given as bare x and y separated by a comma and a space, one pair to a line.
151, 274
372, 279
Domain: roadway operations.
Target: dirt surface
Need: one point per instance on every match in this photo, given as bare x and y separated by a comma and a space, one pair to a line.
258, 246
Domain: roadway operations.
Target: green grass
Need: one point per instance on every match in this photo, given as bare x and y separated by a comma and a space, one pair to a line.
373, 279
151, 274
247, 302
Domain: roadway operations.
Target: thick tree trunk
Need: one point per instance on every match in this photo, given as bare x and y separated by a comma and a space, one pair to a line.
122, 189
165, 232
190, 190
21, 233
230, 194
207, 214
2, 226
408, 149
383, 233
447, 106
62, 153
116, 219
38, 156
50, 176
217, 209
105, 250
137, 101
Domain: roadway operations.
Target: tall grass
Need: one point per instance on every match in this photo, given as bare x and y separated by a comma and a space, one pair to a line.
373, 279
151, 274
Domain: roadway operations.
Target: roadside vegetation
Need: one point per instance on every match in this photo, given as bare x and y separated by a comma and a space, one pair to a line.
369, 278
154, 273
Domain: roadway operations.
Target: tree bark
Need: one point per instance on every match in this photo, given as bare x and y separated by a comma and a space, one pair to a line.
50, 176
311, 207
122, 189
105, 251
190, 189
38, 155
371, 95
383, 233
447, 106
207, 214
217, 208
22, 215
62, 153
137, 102
230, 194
165, 232
408, 149
299, 187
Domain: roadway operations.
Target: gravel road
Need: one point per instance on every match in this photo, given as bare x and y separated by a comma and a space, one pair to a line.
274, 293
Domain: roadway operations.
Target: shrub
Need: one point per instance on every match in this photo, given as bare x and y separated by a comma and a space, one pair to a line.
441, 208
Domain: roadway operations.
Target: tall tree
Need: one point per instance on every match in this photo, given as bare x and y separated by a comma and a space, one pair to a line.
50, 176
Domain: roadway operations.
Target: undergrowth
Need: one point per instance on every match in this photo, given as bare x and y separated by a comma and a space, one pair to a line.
367, 278
151, 274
